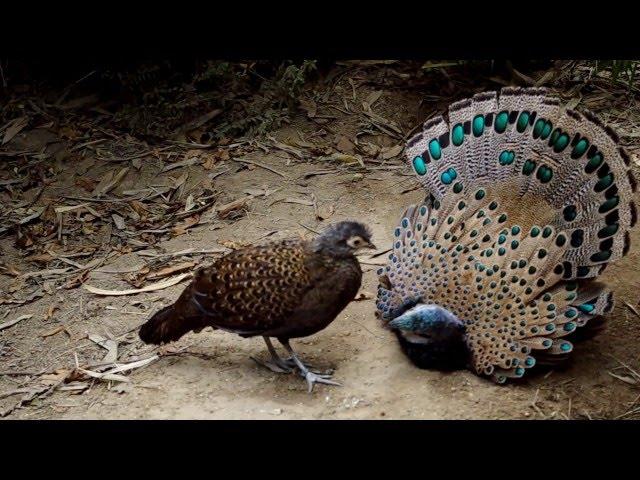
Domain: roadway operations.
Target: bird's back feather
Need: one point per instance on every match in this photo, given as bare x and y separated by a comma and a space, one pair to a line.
281, 289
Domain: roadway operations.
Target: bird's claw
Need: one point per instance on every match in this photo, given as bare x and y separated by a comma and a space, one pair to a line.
291, 363
273, 366
313, 378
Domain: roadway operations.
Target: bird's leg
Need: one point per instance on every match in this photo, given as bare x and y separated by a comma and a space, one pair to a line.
311, 377
277, 364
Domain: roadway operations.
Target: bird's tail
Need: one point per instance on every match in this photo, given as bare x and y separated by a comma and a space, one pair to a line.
167, 325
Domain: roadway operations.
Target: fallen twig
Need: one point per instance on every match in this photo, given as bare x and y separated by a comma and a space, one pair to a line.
261, 165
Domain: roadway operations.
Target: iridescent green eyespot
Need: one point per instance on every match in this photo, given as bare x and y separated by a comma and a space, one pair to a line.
419, 166
434, 149
457, 135
478, 125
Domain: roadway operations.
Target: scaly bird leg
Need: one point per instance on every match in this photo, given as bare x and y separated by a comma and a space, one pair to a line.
276, 364
310, 377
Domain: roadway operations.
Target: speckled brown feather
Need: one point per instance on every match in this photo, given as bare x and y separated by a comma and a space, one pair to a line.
282, 289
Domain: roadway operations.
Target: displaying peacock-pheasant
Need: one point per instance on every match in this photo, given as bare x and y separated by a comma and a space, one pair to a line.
287, 289
528, 203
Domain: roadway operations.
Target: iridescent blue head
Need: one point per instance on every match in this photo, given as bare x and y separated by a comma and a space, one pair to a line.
431, 336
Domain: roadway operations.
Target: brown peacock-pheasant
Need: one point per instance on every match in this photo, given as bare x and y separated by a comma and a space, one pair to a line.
527, 203
288, 289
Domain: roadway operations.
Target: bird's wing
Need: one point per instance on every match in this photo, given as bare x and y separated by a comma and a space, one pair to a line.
250, 290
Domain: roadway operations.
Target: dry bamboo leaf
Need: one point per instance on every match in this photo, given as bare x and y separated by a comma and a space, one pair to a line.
112, 377
11, 323
54, 331
373, 97
181, 228
110, 345
41, 258
149, 288
118, 221
109, 182
184, 163
86, 183
225, 210
50, 311
15, 128
299, 201
165, 272
391, 152
68, 208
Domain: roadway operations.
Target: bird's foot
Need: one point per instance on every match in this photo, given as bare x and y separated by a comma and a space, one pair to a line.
313, 378
277, 367
291, 363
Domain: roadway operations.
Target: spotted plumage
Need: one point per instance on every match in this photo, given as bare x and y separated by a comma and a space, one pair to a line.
528, 202
287, 289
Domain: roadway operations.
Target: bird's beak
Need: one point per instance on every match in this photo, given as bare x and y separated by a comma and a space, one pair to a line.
370, 246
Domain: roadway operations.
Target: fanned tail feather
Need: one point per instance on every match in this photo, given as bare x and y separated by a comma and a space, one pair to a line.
527, 202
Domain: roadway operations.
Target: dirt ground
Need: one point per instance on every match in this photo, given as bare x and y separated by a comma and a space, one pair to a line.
210, 375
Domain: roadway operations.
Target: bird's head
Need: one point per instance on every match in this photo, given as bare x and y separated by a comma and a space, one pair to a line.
343, 239
429, 325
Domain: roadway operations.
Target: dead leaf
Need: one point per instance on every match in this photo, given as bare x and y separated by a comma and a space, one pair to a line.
24, 239
181, 228
149, 288
209, 163
54, 331
388, 153
12, 270
139, 207
110, 345
118, 221
56, 377
299, 201
109, 182
189, 203
373, 97
15, 128
363, 295
226, 210
11, 323
50, 311
185, 163
165, 272
43, 258
345, 145
309, 106
76, 281
87, 183
341, 157
624, 378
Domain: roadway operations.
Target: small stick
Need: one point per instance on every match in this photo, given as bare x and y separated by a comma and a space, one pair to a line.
309, 228
380, 254
257, 164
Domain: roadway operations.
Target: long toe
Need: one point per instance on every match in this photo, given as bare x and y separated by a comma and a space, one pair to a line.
274, 367
291, 363
313, 378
